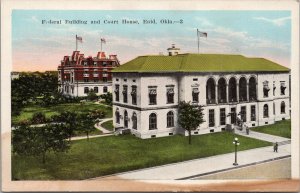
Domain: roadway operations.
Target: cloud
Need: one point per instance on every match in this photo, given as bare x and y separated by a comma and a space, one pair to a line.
278, 22
204, 22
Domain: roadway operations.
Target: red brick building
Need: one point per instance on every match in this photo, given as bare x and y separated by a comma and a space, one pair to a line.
77, 74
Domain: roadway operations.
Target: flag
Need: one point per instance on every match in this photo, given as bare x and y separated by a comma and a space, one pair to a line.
79, 39
103, 40
201, 34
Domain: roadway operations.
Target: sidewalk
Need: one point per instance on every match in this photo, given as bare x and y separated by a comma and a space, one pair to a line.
99, 127
263, 136
193, 168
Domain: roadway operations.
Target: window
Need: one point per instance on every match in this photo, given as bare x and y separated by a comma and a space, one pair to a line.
117, 79
170, 95
85, 63
105, 89
152, 121
170, 119
282, 88
152, 96
95, 63
125, 119
96, 89
86, 79
125, 80
266, 89
133, 80
134, 121
253, 113
133, 94
282, 107
195, 95
233, 115
117, 116
222, 116
195, 79
266, 111
104, 63
96, 79
117, 92
274, 88
243, 114
125, 93
104, 79
211, 117
86, 90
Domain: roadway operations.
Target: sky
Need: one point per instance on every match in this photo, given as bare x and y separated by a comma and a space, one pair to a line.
41, 47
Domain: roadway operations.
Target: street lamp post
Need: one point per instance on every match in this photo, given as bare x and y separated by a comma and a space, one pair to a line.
236, 143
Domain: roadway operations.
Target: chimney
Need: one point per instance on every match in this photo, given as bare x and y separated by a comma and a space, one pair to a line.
173, 51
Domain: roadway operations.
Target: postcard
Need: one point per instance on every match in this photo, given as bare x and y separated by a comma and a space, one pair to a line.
150, 96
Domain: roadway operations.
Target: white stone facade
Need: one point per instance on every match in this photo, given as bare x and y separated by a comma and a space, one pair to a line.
261, 98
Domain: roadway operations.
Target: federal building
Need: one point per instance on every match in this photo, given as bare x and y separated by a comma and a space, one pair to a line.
148, 89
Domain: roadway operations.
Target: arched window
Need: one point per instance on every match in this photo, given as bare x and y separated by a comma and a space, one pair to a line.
125, 119
282, 107
117, 115
134, 121
170, 119
232, 90
243, 89
152, 121
252, 89
266, 111
210, 91
222, 90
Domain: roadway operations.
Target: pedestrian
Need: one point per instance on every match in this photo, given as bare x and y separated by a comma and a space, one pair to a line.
247, 130
276, 147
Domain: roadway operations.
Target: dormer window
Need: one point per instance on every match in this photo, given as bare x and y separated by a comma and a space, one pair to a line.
282, 88
266, 88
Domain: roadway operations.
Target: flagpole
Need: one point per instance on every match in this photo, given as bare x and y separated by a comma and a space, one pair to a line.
76, 42
198, 40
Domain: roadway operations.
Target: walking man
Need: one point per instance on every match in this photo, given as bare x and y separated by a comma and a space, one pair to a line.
276, 147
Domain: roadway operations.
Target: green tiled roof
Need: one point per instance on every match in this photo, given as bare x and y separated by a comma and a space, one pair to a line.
200, 63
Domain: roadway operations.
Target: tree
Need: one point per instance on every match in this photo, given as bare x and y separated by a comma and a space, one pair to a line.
38, 118
91, 95
97, 114
190, 116
107, 98
70, 121
37, 141
85, 123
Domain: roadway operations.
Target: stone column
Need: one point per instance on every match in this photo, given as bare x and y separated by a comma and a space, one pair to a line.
237, 92
227, 93
247, 91
216, 93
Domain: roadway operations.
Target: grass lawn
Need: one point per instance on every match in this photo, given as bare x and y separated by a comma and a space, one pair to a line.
108, 125
27, 112
113, 154
280, 128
